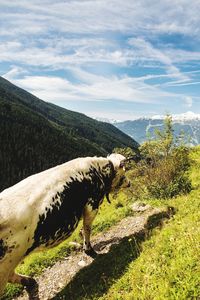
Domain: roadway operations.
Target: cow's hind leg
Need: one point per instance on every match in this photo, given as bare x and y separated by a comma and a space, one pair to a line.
3, 281
4, 275
28, 282
89, 215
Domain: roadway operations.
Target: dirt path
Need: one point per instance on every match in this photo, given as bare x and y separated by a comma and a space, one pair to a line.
54, 279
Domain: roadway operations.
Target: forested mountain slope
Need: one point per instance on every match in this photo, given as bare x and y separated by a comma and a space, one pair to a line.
36, 135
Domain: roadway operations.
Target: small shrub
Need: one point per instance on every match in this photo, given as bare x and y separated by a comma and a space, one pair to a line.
163, 170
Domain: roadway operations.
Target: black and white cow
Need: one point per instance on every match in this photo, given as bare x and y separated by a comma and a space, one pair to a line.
44, 209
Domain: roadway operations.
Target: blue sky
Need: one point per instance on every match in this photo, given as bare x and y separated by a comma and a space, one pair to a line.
109, 59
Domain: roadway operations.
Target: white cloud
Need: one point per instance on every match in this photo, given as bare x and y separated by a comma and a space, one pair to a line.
65, 53
93, 88
188, 101
14, 72
180, 83
98, 16
147, 51
72, 36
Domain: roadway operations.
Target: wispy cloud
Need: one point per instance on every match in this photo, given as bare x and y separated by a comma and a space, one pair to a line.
14, 73
102, 16
60, 54
148, 52
180, 83
188, 102
99, 50
91, 88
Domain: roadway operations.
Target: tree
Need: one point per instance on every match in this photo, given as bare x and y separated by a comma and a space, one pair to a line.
163, 169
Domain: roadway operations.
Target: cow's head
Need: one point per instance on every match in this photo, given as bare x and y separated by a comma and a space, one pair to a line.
120, 180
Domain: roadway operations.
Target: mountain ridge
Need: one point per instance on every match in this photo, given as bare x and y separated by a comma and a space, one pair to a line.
144, 127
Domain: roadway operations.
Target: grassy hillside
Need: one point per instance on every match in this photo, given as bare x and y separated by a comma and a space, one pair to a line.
36, 135
167, 266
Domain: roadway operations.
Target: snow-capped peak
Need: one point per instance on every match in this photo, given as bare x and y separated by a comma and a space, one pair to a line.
188, 116
107, 120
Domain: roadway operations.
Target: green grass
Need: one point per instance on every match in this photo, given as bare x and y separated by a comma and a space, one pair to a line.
169, 264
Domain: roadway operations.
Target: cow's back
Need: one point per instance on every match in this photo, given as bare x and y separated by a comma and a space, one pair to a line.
36, 189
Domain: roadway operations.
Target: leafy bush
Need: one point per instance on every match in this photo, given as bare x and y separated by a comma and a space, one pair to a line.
163, 170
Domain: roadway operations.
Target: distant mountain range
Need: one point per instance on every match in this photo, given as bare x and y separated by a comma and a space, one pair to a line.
140, 128
36, 135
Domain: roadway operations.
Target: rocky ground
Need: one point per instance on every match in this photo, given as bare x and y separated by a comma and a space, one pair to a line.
54, 279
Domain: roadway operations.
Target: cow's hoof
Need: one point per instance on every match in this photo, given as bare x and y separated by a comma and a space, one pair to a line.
30, 285
29, 282
91, 253
33, 294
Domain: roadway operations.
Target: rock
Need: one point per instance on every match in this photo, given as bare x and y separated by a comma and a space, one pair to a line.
82, 263
140, 207
75, 244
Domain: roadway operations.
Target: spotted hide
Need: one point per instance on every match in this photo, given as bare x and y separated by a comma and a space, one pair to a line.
44, 209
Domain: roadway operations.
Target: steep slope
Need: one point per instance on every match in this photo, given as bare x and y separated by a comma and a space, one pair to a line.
36, 135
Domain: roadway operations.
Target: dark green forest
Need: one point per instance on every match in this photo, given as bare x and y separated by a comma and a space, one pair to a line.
36, 135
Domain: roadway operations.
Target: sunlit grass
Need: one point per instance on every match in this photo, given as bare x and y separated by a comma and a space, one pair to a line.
169, 264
